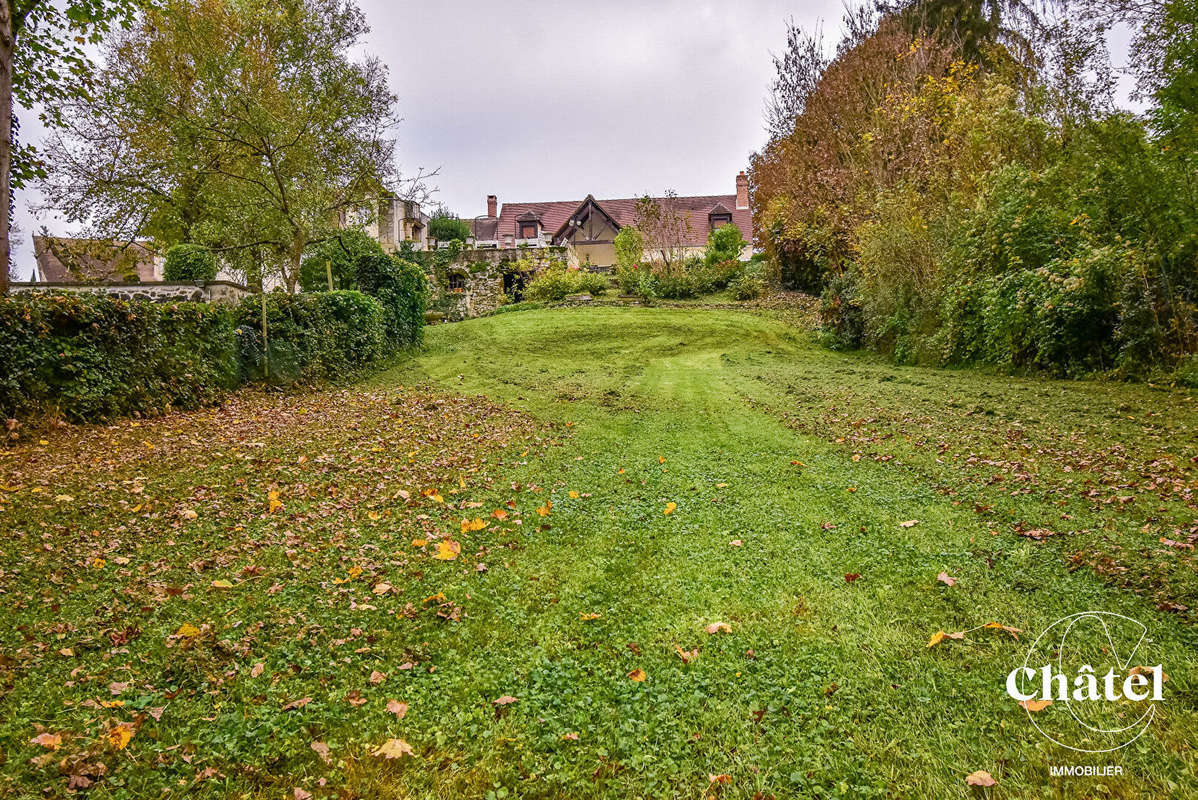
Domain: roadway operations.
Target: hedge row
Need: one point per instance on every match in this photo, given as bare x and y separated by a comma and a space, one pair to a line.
91, 357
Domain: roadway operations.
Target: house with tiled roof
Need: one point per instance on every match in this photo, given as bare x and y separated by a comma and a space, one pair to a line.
66, 260
588, 227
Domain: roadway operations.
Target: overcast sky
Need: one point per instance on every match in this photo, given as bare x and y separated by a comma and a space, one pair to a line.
559, 100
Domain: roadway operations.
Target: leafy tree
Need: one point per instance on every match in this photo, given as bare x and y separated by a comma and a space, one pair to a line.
340, 255
43, 60
797, 73
445, 226
300, 147
189, 262
630, 247
724, 244
973, 26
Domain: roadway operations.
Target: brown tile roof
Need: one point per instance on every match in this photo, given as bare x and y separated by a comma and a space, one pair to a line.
623, 211
63, 260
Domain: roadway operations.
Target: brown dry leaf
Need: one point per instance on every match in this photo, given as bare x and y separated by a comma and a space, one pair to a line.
301, 794
398, 708
946, 579
381, 588
687, 656
499, 514
722, 778
1149, 671
980, 778
257, 669
394, 748
377, 677
50, 741
321, 749
570, 737
735, 543
638, 675
718, 627
911, 523
506, 700
1035, 705
294, 704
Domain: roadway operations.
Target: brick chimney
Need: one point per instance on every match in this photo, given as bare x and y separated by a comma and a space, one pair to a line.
492, 206
742, 190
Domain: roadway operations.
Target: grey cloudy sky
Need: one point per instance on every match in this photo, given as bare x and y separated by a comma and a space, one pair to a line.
553, 101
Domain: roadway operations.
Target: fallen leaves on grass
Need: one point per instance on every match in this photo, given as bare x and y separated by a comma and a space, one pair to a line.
911, 523
946, 579
851, 577
119, 736
980, 778
940, 636
448, 550
671, 508
50, 741
718, 627
398, 708
687, 656
1035, 705
321, 749
638, 675
394, 748
505, 700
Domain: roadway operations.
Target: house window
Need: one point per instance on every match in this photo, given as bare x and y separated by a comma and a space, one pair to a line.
528, 230
720, 220
457, 282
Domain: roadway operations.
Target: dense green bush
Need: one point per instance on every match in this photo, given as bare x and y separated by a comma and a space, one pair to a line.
556, 283
724, 244
445, 227
189, 262
340, 255
312, 336
92, 357
402, 288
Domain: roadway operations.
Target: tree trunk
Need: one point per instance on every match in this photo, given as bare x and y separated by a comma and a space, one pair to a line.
7, 43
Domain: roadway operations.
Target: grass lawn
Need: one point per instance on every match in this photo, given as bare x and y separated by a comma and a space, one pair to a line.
505, 554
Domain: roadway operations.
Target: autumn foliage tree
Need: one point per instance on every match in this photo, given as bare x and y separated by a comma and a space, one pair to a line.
242, 125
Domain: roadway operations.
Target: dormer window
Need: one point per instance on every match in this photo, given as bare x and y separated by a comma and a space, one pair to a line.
720, 220
528, 230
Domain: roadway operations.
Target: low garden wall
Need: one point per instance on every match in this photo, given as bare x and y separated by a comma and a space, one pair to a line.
156, 292
472, 284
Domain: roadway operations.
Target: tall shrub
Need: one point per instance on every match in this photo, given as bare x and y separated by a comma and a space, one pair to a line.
189, 262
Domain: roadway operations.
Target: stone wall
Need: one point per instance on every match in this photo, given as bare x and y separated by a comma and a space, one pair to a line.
473, 283
157, 292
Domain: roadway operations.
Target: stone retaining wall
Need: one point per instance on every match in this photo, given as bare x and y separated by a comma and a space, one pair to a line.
157, 292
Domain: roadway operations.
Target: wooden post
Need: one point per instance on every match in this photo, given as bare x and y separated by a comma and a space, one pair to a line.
328, 266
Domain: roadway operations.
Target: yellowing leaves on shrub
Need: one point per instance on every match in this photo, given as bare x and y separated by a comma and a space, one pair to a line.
638, 675
475, 524
448, 550
275, 504
671, 508
394, 748
119, 736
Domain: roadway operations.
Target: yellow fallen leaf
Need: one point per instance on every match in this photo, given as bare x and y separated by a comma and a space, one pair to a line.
638, 675
394, 748
98, 563
573, 495
661, 459
188, 630
354, 571
120, 736
995, 626
940, 636
419, 542
222, 584
545, 510
588, 617
374, 516
275, 504
671, 508
448, 550
475, 524
1035, 705
499, 514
